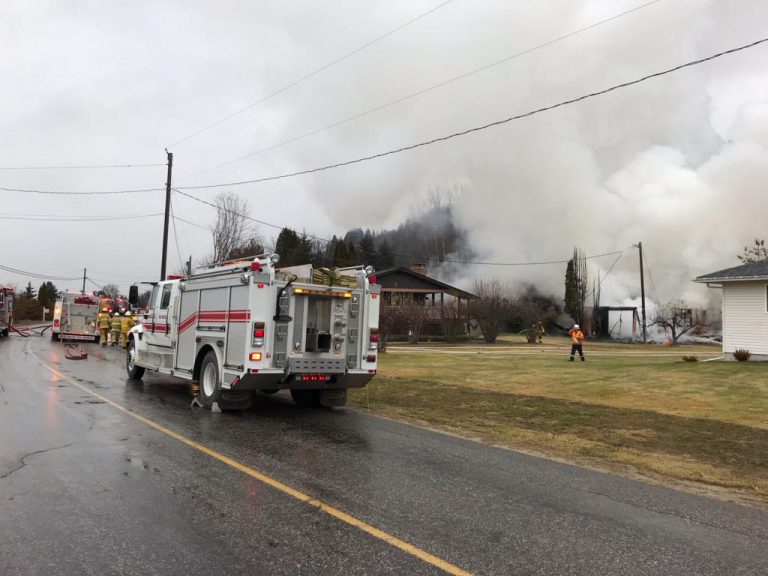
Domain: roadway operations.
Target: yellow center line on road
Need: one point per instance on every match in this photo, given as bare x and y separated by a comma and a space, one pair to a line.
330, 510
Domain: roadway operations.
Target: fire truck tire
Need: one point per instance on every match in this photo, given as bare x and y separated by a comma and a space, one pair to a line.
306, 398
54, 337
235, 399
134, 372
209, 380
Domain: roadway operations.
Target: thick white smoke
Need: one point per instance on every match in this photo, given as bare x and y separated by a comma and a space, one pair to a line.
679, 163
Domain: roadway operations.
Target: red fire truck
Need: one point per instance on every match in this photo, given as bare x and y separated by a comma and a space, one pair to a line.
247, 326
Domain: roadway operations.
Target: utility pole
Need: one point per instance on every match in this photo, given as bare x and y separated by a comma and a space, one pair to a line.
85, 270
189, 266
642, 288
167, 213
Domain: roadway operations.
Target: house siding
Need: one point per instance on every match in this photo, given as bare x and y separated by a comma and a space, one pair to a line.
745, 318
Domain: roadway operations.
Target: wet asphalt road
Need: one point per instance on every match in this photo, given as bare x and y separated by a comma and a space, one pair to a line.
87, 489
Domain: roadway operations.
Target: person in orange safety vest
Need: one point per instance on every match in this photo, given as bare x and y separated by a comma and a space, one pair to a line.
577, 339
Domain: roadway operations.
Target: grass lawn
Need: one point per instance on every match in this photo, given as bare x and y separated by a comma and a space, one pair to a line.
630, 408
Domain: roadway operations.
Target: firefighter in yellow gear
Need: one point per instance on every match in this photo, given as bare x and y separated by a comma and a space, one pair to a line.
116, 328
103, 323
126, 323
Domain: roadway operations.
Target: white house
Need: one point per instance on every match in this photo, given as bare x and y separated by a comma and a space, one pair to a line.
745, 307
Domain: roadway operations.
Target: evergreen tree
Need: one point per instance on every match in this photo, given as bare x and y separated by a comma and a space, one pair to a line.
46, 294
288, 246
367, 249
576, 286
385, 259
352, 257
306, 248
571, 291
340, 254
29, 292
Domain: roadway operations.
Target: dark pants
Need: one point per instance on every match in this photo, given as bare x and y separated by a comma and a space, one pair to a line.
577, 348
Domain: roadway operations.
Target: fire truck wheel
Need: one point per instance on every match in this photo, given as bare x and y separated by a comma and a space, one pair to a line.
235, 399
209, 380
306, 398
134, 372
54, 337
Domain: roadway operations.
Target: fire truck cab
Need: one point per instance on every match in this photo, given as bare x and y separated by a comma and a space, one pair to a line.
246, 326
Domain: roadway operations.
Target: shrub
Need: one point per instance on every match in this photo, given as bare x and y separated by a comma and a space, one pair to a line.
690, 359
742, 355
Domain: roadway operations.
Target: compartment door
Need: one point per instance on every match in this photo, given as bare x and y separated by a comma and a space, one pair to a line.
238, 327
185, 349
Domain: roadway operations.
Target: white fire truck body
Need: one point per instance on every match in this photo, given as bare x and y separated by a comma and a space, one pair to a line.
246, 327
75, 317
6, 310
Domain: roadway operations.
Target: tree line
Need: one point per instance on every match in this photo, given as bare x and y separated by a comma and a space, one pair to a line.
429, 237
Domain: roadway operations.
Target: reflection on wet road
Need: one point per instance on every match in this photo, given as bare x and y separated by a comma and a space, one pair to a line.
88, 489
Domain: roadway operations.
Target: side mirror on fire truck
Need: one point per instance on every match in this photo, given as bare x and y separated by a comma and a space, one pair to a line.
133, 295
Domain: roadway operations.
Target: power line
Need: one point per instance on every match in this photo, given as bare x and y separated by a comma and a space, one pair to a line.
426, 142
81, 167
650, 277
532, 263
310, 75
192, 223
484, 126
212, 205
30, 218
37, 275
80, 193
424, 90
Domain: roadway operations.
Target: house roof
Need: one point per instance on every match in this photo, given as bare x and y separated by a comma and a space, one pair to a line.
751, 271
422, 280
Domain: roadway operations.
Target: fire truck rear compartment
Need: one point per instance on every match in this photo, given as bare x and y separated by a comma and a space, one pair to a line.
316, 348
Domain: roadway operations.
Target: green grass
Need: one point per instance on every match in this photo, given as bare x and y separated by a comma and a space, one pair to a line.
631, 408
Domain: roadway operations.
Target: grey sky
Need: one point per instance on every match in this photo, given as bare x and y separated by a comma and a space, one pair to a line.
679, 163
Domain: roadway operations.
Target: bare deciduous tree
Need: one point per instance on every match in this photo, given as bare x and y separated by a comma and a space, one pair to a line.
754, 253
453, 317
231, 230
414, 313
494, 305
111, 290
389, 318
676, 319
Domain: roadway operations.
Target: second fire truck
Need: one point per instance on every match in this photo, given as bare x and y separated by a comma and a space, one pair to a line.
247, 326
6, 310
75, 317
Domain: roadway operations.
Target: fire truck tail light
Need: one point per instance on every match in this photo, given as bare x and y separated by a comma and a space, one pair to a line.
374, 337
258, 334
255, 356
55, 323
255, 267
372, 279
313, 378
371, 358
